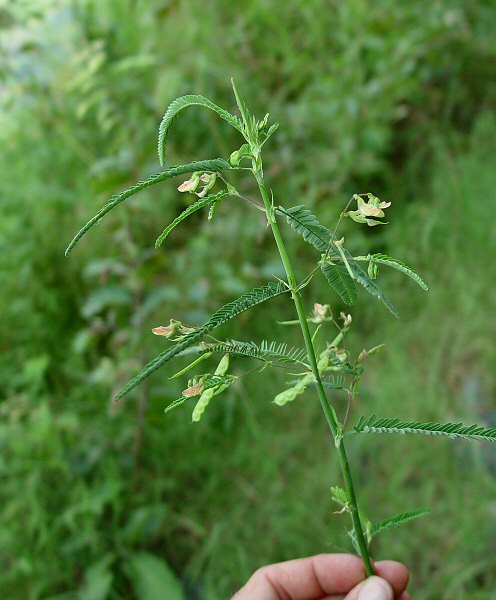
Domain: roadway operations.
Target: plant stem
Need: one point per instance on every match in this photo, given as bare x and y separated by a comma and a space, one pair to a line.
329, 412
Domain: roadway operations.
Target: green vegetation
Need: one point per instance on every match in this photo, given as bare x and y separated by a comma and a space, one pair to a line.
393, 98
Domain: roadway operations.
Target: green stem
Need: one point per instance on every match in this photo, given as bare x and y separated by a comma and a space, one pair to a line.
329, 412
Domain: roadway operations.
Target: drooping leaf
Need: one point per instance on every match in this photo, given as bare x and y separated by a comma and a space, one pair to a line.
265, 351
339, 279
383, 259
397, 520
371, 286
304, 222
216, 164
374, 424
181, 104
200, 203
224, 314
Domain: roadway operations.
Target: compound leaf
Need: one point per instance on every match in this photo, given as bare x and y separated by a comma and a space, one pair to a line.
339, 279
265, 351
397, 520
200, 203
372, 288
304, 222
383, 259
374, 424
216, 164
174, 404
181, 104
224, 314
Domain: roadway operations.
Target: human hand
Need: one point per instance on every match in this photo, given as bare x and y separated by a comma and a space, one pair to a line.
326, 577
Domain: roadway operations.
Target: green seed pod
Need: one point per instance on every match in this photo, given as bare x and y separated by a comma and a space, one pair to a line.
292, 393
323, 361
207, 395
202, 404
223, 366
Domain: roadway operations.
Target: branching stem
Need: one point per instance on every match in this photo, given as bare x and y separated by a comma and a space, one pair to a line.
329, 412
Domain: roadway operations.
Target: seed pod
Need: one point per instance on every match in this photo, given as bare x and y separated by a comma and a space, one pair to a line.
207, 395
292, 393
202, 404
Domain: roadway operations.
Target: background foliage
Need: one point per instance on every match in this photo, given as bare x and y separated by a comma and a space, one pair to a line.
100, 501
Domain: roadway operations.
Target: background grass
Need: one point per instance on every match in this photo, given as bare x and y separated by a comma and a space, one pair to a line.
395, 98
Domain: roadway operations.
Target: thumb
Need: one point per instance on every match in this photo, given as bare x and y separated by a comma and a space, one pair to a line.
373, 588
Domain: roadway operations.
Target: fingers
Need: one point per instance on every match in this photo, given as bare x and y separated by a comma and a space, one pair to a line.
393, 582
305, 578
373, 588
405, 596
316, 577
395, 573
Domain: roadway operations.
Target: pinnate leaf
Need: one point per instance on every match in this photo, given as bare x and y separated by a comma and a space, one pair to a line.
397, 520
369, 284
224, 314
181, 104
383, 259
216, 164
339, 279
304, 222
265, 351
374, 424
200, 203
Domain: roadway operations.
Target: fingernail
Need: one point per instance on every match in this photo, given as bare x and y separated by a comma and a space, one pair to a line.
375, 588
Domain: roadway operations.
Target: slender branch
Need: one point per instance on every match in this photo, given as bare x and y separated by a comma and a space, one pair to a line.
329, 412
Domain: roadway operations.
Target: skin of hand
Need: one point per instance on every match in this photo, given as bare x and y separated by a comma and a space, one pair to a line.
326, 577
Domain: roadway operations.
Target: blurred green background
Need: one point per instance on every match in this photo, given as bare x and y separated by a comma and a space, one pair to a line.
106, 502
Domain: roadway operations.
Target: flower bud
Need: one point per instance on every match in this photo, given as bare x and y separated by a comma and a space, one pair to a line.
362, 356
194, 390
372, 270
346, 320
209, 180
174, 328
